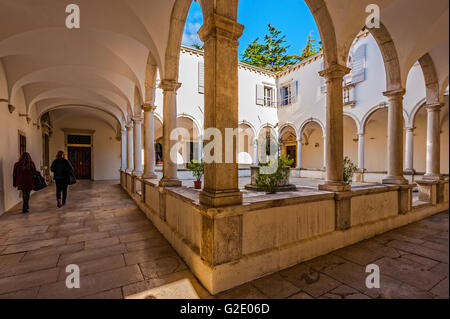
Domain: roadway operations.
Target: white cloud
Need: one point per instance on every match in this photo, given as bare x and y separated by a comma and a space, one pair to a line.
193, 24
190, 35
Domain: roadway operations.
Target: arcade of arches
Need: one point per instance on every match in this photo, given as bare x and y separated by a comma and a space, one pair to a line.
113, 86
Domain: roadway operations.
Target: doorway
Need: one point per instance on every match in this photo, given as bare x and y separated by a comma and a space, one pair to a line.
80, 157
291, 151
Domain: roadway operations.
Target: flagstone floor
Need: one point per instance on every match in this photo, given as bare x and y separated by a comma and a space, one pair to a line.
120, 253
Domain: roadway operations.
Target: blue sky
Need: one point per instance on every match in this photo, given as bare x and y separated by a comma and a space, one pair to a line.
290, 16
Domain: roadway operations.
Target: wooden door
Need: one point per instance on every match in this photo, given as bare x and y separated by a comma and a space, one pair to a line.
80, 157
291, 151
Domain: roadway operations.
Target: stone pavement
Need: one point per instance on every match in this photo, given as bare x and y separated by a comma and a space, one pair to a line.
121, 253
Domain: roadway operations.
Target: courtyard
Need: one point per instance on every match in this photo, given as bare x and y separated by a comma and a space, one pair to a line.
120, 253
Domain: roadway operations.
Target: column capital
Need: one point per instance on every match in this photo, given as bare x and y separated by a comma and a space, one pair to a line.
410, 129
397, 93
433, 107
129, 126
137, 119
147, 107
219, 26
361, 133
169, 85
335, 71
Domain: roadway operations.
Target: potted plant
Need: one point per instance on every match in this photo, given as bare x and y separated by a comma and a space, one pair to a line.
271, 182
197, 169
349, 170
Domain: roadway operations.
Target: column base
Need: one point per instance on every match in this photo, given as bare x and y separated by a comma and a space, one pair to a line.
129, 171
428, 190
410, 171
433, 177
220, 198
396, 180
150, 175
335, 187
137, 173
169, 182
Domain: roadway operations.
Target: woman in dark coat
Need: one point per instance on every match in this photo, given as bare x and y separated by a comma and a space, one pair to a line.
24, 170
62, 169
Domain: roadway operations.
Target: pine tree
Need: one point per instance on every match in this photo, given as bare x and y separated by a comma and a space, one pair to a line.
197, 46
310, 49
272, 55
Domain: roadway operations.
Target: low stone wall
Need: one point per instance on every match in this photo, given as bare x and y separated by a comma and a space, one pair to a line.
365, 177
226, 247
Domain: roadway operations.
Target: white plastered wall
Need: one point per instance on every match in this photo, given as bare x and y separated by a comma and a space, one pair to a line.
10, 126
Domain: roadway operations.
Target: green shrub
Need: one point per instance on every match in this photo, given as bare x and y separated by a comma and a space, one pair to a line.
349, 170
197, 169
271, 182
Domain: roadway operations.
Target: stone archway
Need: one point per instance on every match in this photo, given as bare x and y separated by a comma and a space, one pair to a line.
376, 139
246, 145
267, 142
313, 150
188, 140
288, 143
351, 139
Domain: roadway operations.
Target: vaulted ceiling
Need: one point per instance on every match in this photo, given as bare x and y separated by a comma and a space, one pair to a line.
96, 66
100, 65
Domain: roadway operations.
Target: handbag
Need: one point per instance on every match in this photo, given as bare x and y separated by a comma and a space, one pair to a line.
72, 179
39, 182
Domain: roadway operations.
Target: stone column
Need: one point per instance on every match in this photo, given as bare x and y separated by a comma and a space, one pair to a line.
334, 145
361, 151
137, 134
324, 152
433, 142
409, 150
299, 153
130, 162
124, 149
220, 36
395, 138
255, 152
170, 168
200, 148
149, 141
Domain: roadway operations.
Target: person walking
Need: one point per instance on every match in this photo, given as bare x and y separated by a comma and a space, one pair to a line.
23, 178
62, 171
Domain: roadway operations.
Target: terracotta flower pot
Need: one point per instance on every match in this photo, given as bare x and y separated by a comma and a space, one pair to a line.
198, 184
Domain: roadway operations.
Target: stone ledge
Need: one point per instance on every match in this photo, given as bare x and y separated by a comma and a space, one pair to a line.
230, 271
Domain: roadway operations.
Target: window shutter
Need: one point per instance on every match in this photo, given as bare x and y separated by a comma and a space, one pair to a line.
259, 94
201, 78
323, 82
294, 91
359, 65
282, 96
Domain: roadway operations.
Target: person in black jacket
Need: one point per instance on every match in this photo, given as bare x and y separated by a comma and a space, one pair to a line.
62, 169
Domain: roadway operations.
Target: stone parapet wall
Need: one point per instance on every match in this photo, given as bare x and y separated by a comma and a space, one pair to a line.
226, 247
